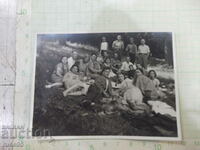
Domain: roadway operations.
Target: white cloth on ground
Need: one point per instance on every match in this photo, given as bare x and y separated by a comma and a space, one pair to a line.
162, 108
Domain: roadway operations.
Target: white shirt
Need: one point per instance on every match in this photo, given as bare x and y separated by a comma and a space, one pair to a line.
125, 66
162, 108
143, 49
71, 62
104, 46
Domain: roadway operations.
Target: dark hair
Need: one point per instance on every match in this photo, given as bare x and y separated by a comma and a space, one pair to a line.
106, 59
62, 58
118, 57
93, 54
141, 70
115, 53
75, 65
153, 72
105, 68
130, 66
120, 73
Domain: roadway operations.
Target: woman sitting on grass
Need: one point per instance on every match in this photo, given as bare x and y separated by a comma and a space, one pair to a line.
58, 73
153, 76
132, 96
93, 66
83, 63
146, 86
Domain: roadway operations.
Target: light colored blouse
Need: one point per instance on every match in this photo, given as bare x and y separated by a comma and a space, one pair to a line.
104, 46
70, 79
131, 92
71, 62
125, 66
143, 49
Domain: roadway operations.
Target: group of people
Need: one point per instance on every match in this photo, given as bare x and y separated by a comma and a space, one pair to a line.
105, 75
138, 54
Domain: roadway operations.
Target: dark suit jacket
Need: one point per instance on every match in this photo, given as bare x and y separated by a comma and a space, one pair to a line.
100, 82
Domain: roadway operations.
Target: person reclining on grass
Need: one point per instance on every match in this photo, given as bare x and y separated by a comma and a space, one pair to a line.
76, 83
132, 96
100, 88
128, 90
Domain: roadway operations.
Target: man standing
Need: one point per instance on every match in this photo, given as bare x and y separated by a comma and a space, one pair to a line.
143, 54
118, 45
131, 50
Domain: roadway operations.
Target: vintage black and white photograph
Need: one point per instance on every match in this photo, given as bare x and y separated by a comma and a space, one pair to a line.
119, 84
